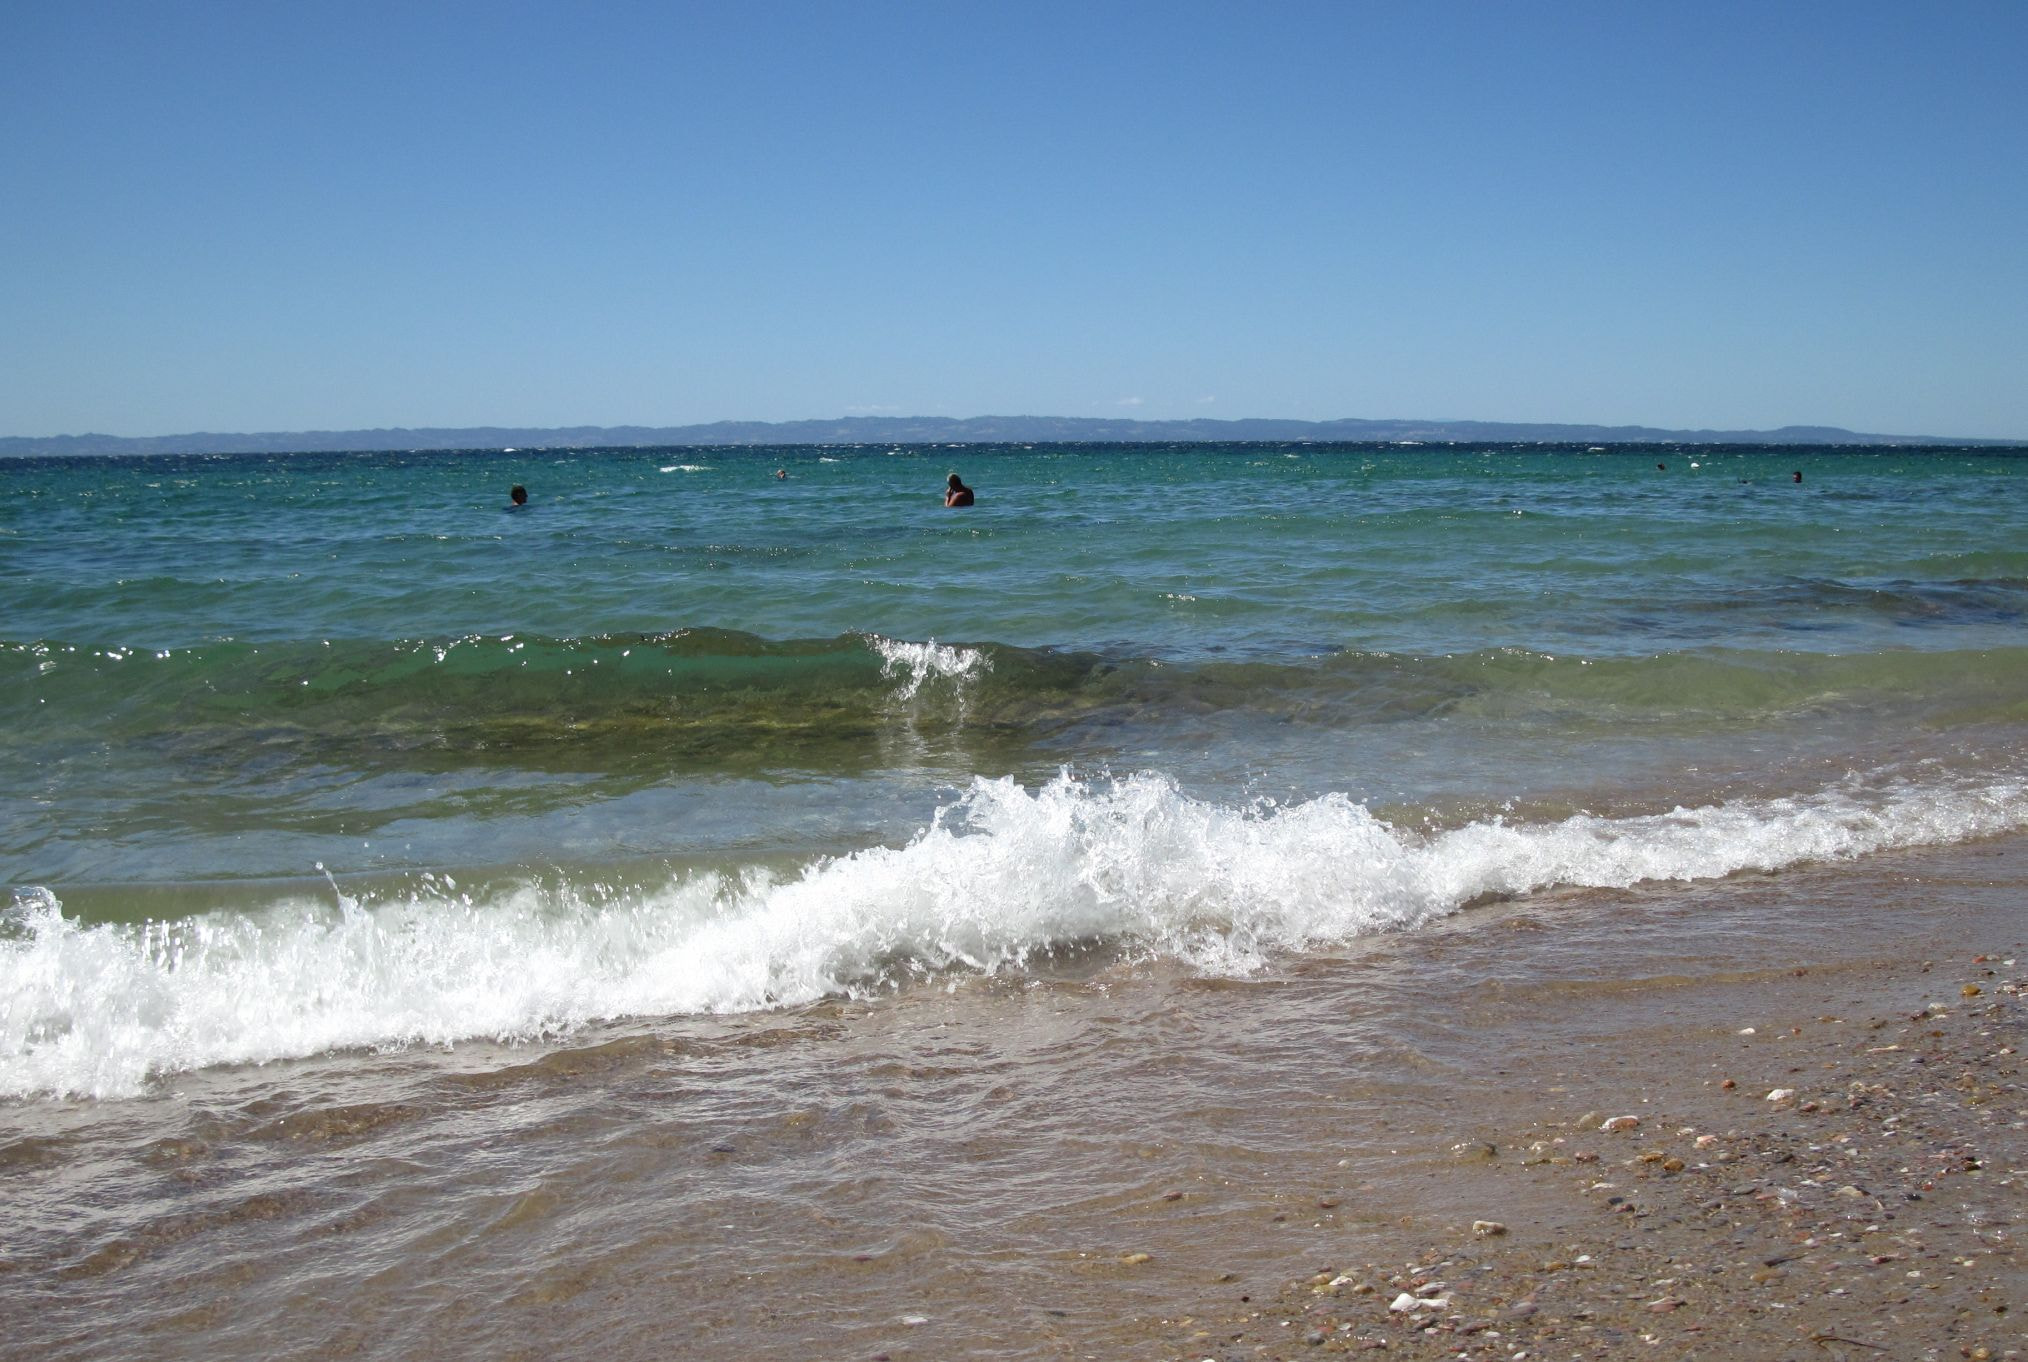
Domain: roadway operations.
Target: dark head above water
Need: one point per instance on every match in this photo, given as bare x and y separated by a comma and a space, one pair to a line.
956, 493
518, 495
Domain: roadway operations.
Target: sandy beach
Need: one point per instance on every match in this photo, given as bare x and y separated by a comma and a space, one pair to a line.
1839, 1176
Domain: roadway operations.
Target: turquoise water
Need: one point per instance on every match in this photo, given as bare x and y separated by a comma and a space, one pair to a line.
1183, 553
678, 708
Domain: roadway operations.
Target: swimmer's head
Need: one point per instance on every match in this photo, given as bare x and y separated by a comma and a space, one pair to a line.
518, 495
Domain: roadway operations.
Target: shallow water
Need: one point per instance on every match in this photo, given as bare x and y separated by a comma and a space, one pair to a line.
952, 1171
438, 928
336, 750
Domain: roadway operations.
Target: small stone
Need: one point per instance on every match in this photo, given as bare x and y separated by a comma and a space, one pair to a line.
1728, 1084
1619, 1123
1172, 1196
1589, 1121
1136, 1259
1664, 1305
1672, 1165
1706, 1141
1779, 1094
1971, 991
1487, 1229
1314, 1337
1403, 1304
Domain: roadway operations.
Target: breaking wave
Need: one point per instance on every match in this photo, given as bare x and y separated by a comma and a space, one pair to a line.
998, 877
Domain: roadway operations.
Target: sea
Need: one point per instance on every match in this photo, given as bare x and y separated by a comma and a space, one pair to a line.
733, 905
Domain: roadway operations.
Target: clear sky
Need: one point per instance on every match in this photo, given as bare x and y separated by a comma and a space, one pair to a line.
280, 216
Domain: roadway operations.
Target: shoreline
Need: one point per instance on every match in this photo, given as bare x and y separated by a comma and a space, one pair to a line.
1133, 1161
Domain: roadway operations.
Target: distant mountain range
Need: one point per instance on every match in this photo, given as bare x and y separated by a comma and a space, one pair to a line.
937, 430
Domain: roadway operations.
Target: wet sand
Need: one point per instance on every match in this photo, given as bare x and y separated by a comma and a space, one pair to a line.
1114, 1159
1842, 1178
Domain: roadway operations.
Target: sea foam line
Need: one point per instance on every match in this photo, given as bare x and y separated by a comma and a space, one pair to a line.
1003, 873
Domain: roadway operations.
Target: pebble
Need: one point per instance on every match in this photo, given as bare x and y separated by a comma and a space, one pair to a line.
1789, 1209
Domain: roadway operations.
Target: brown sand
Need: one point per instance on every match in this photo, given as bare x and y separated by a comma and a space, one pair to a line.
1841, 1183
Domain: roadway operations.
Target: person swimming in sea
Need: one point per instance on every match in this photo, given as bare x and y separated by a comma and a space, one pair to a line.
956, 493
518, 495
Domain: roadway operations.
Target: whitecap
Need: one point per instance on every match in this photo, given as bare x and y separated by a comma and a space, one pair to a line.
1002, 874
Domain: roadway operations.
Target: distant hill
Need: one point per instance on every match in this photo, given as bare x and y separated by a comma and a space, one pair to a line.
936, 430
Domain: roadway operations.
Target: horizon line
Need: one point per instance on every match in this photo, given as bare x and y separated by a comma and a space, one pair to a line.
813, 430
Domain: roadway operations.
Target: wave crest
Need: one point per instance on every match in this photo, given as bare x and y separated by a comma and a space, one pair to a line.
999, 876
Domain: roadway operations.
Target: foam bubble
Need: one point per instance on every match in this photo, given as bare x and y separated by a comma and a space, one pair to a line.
1002, 874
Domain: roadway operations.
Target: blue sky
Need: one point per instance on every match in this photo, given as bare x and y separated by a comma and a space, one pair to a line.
287, 216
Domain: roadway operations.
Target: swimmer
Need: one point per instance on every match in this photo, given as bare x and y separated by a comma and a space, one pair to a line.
781, 475
518, 495
956, 493
1798, 475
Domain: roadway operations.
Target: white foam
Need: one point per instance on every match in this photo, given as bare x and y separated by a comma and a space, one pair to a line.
1000, 875
920, 663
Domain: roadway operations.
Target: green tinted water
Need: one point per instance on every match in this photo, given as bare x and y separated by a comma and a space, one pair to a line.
242, 666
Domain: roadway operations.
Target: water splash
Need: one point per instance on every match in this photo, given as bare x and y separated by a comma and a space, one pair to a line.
921, 663
999, 876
